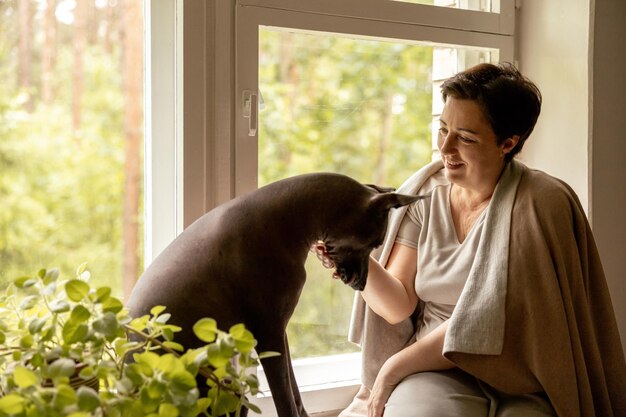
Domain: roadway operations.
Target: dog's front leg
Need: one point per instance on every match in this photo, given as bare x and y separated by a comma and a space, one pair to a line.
280, 376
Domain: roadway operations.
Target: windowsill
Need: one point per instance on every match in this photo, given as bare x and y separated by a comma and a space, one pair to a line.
326, 384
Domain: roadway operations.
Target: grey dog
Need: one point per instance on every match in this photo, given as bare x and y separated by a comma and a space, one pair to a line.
243, 262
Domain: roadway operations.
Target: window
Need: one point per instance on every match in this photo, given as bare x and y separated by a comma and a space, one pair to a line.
204, 151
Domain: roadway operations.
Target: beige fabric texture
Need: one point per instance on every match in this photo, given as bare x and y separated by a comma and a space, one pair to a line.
535, 314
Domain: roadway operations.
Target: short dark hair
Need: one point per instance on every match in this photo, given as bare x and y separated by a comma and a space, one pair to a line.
511, 102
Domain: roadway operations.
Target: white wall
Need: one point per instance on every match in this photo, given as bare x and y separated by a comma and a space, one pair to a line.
573, 50
552, 48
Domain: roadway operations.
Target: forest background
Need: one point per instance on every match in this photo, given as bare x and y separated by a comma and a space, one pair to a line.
71, 138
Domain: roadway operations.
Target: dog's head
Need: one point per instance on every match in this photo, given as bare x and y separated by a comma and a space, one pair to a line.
347, 245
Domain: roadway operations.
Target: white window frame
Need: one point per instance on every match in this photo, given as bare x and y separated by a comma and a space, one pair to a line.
197, 155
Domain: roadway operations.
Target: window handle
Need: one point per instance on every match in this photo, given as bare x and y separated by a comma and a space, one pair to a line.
251, 111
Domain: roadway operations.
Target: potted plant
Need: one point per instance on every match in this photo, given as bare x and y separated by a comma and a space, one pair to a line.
63, 346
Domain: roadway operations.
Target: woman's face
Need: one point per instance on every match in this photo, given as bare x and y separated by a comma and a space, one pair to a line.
468, 146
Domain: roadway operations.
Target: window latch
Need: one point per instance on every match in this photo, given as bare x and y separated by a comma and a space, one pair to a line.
250, 104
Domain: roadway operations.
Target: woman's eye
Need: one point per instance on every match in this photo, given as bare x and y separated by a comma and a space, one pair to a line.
466, 139
443, 131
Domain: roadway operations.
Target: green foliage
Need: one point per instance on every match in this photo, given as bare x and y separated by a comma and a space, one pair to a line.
63, 345
61, 189
358, 107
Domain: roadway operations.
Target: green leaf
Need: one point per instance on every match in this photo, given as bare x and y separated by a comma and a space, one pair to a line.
76, 289
49, 289
169, 364
168, 410
163, 318
268, 354
223, 402
87, 372
156, 310
148, 358
139, 323
62, 367
65, 396
254, 408
81, 268
202, 404
219, 354
36, 325
107, 325
37, 360
12, 404
59, 306
88, 399
205, 329
80, 314
182, 381
29, 302
74, 332
174, 346
51, 276
24, 377
122, 346
79, 414
27, 341
155, 389
244, 340
102, 294
25, 282
112, 304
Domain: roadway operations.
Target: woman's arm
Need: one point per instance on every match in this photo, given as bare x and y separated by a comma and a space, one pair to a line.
390, 292
423, 355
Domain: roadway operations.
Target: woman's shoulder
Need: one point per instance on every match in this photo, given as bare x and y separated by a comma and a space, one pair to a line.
546, 190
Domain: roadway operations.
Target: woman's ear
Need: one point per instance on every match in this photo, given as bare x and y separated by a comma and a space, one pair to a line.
509, 144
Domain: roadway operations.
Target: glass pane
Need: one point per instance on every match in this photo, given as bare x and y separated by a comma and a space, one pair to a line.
71, 139
360, 107
478, 5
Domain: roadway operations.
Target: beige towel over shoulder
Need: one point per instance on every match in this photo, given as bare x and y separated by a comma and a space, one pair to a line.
535, 313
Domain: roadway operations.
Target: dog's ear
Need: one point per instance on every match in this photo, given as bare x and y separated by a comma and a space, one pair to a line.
380, 189
386, 201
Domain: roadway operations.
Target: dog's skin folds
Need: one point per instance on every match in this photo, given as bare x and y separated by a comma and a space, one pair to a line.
243, 262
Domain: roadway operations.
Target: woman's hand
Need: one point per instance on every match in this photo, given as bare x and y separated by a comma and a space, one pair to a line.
423, 355
383, 386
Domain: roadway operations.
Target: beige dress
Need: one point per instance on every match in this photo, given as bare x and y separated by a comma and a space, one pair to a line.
443, 266
443, 262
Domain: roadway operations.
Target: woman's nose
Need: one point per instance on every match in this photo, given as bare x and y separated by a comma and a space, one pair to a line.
445, 143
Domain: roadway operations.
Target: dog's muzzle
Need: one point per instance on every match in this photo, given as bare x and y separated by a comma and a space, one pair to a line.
354, 279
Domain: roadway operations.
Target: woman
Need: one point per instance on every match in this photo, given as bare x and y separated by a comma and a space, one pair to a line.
481, 282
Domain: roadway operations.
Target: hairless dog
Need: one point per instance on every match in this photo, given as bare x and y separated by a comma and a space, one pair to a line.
243, 262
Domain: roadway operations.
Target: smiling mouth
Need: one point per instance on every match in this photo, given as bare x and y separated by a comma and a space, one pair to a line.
453, 165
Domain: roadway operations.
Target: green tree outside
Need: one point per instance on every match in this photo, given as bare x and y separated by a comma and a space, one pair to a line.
357, 107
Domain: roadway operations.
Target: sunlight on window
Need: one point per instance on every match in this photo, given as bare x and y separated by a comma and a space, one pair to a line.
71, 121
359, 107
478, 5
